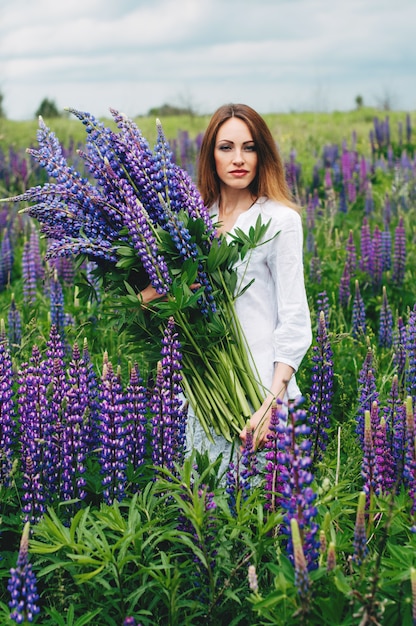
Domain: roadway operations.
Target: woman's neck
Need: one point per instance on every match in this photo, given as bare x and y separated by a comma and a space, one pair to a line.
231, 205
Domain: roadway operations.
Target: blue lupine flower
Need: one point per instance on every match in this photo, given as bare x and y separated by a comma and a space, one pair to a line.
14, 325
367, 392
359, 324
399, 259
321, 391
113, 435
385, 333
7, 413
22, 585
360, 535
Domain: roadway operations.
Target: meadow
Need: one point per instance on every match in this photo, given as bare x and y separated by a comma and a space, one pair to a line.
103, 519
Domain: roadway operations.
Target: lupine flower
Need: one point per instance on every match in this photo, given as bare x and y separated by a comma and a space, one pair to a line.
14, 325
57, 304
369, 201
399, 258
399, 347
368, 466
22, 585
315, 271
273, 485
113, 435
321, 391
6, 259
385, 332
29, 275
366, 247
241, 472
37, 432
136, 409
377, 260
351, 259
7, 413
344, 286
360, 535
302, 581
409, 470
359, 325
297, 497
385, 463
322, 305
34, 247
367, 392
411, 354
169, 419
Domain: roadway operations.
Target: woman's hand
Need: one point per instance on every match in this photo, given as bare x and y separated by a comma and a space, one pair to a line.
259, 425
148, 295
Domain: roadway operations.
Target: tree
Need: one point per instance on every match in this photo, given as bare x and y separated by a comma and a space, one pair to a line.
2, 111
47, 109
359, 101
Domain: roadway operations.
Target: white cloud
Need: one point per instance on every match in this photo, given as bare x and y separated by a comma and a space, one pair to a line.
271, 53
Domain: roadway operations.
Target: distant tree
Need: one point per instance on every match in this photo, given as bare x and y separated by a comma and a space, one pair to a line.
2, 111
47, 109
170, 109
359, 101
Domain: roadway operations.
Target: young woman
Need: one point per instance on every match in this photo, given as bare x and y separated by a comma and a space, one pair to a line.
241, 177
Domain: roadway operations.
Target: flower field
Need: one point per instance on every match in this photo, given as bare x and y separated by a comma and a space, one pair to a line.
104, 519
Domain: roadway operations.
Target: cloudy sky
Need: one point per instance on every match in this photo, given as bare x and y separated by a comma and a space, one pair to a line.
276, 55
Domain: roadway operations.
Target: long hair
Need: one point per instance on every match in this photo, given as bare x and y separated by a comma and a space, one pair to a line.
270, 179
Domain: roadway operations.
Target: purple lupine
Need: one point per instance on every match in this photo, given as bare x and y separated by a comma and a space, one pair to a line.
411, 354
385, 332
136, 411
399, 257
113, 435
22, 584
6, 259
29, 275
144, 240
65, 269
322, 304
377, 260
344, 292
36, 256
300, 564
351, 258
321, 391
367, 392
91, 420
168, 416
7, 413
366, 247
14, 324
241, 473
74, 437
399, 350
409, 469
360, 535
297, 497
315, 271
359, 325
384, 458
273, 485
369, 201
37, 434
56, 296
371, 483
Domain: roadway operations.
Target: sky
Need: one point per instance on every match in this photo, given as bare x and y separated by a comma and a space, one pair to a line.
275, 55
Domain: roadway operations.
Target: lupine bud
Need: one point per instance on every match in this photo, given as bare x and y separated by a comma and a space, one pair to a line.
360, 536
22, 585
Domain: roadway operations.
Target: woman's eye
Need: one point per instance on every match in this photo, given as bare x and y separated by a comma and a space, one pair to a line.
224, 148
251, 148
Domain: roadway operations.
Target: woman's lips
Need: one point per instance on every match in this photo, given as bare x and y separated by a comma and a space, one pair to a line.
238, 173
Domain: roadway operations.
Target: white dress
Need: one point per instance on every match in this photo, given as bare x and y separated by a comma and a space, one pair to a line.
273, 311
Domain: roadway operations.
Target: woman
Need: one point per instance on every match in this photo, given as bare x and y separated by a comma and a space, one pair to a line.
241, 177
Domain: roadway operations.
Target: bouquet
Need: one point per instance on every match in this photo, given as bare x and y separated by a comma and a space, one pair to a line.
140, 218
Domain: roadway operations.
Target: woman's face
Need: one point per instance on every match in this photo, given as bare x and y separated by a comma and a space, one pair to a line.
235, 154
